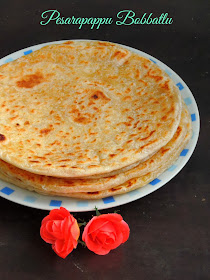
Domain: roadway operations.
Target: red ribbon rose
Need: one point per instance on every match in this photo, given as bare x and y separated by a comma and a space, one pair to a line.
61, 230
105, 232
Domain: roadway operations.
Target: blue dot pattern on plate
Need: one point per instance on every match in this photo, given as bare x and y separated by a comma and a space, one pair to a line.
55, 203
27, 52
9, 60
168, 72
153, 61
7, 191
188, 101
172, 167
193, 117
180, 86
109, 199
184, 152
155, 181
82, 203
30, 199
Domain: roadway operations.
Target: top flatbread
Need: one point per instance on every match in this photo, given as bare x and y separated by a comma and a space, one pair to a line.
83, 108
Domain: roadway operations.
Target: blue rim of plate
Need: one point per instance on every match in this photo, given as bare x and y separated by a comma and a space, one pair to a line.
32, 199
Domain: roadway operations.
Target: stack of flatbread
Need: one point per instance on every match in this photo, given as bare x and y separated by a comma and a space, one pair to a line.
88, 119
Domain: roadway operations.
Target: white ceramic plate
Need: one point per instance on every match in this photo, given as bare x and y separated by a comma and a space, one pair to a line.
24, 197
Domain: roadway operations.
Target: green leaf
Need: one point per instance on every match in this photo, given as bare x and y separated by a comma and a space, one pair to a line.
82, 243
97, 212
82, 224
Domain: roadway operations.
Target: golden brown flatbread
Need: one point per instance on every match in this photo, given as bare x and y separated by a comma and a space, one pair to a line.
86, 187
84, 108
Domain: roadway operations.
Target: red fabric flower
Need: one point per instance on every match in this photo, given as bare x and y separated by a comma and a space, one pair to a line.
105, 232
61, 230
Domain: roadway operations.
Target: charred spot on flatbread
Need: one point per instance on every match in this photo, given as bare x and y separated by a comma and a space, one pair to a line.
2, 137
29, 81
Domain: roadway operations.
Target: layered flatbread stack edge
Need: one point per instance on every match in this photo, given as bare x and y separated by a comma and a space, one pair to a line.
88, 120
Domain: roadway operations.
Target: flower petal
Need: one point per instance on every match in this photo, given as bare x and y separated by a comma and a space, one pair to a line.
125, 231
65, 227
108, 227
75, 231
101, 251
46, 236
96, 224
92, 245
59, 245
61, 250
46, 219
112, 217
115, 244
59, 214
57, 231
101, 238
